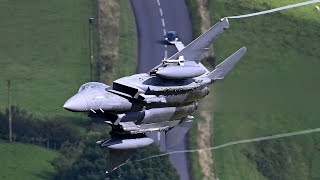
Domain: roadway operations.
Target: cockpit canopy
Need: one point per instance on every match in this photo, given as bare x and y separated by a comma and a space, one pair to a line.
92, 85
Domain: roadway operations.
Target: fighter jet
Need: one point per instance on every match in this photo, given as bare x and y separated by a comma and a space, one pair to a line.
161, 100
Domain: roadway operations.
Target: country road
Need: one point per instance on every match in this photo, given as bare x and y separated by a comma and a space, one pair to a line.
153, 19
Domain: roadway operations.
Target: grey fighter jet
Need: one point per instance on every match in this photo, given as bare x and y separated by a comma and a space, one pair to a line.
160, 100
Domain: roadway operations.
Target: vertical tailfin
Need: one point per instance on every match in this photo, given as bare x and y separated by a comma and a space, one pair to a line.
225, 66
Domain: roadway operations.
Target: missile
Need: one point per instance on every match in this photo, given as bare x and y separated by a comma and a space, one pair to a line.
180, 72
127, 142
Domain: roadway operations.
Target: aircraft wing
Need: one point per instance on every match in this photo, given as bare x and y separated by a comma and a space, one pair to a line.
179, 45
171, 138
174, 136
196, 49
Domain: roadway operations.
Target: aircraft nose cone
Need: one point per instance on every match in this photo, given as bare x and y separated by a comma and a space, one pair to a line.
76, 103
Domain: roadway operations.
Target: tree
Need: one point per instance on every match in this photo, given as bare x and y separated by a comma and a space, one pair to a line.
92, 163
29, 129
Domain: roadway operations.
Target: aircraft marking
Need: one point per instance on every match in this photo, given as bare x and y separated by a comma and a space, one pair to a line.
159, 135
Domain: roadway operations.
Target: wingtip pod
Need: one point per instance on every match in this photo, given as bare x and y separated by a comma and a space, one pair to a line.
243, 50
224, 67
226, 22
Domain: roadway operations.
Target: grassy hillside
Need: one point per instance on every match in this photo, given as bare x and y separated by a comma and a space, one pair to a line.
25, 161
44, 51
273, 90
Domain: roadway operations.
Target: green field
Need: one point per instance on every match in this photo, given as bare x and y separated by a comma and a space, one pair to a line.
273, 90
25, 161
44, 52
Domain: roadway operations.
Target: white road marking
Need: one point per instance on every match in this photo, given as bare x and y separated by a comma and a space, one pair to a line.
163, 23
164, 31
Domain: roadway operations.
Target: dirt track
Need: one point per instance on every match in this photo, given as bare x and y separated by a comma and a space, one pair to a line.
205, 127
108, 29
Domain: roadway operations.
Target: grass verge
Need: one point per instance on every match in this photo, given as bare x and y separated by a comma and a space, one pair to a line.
196, 172
195, 17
